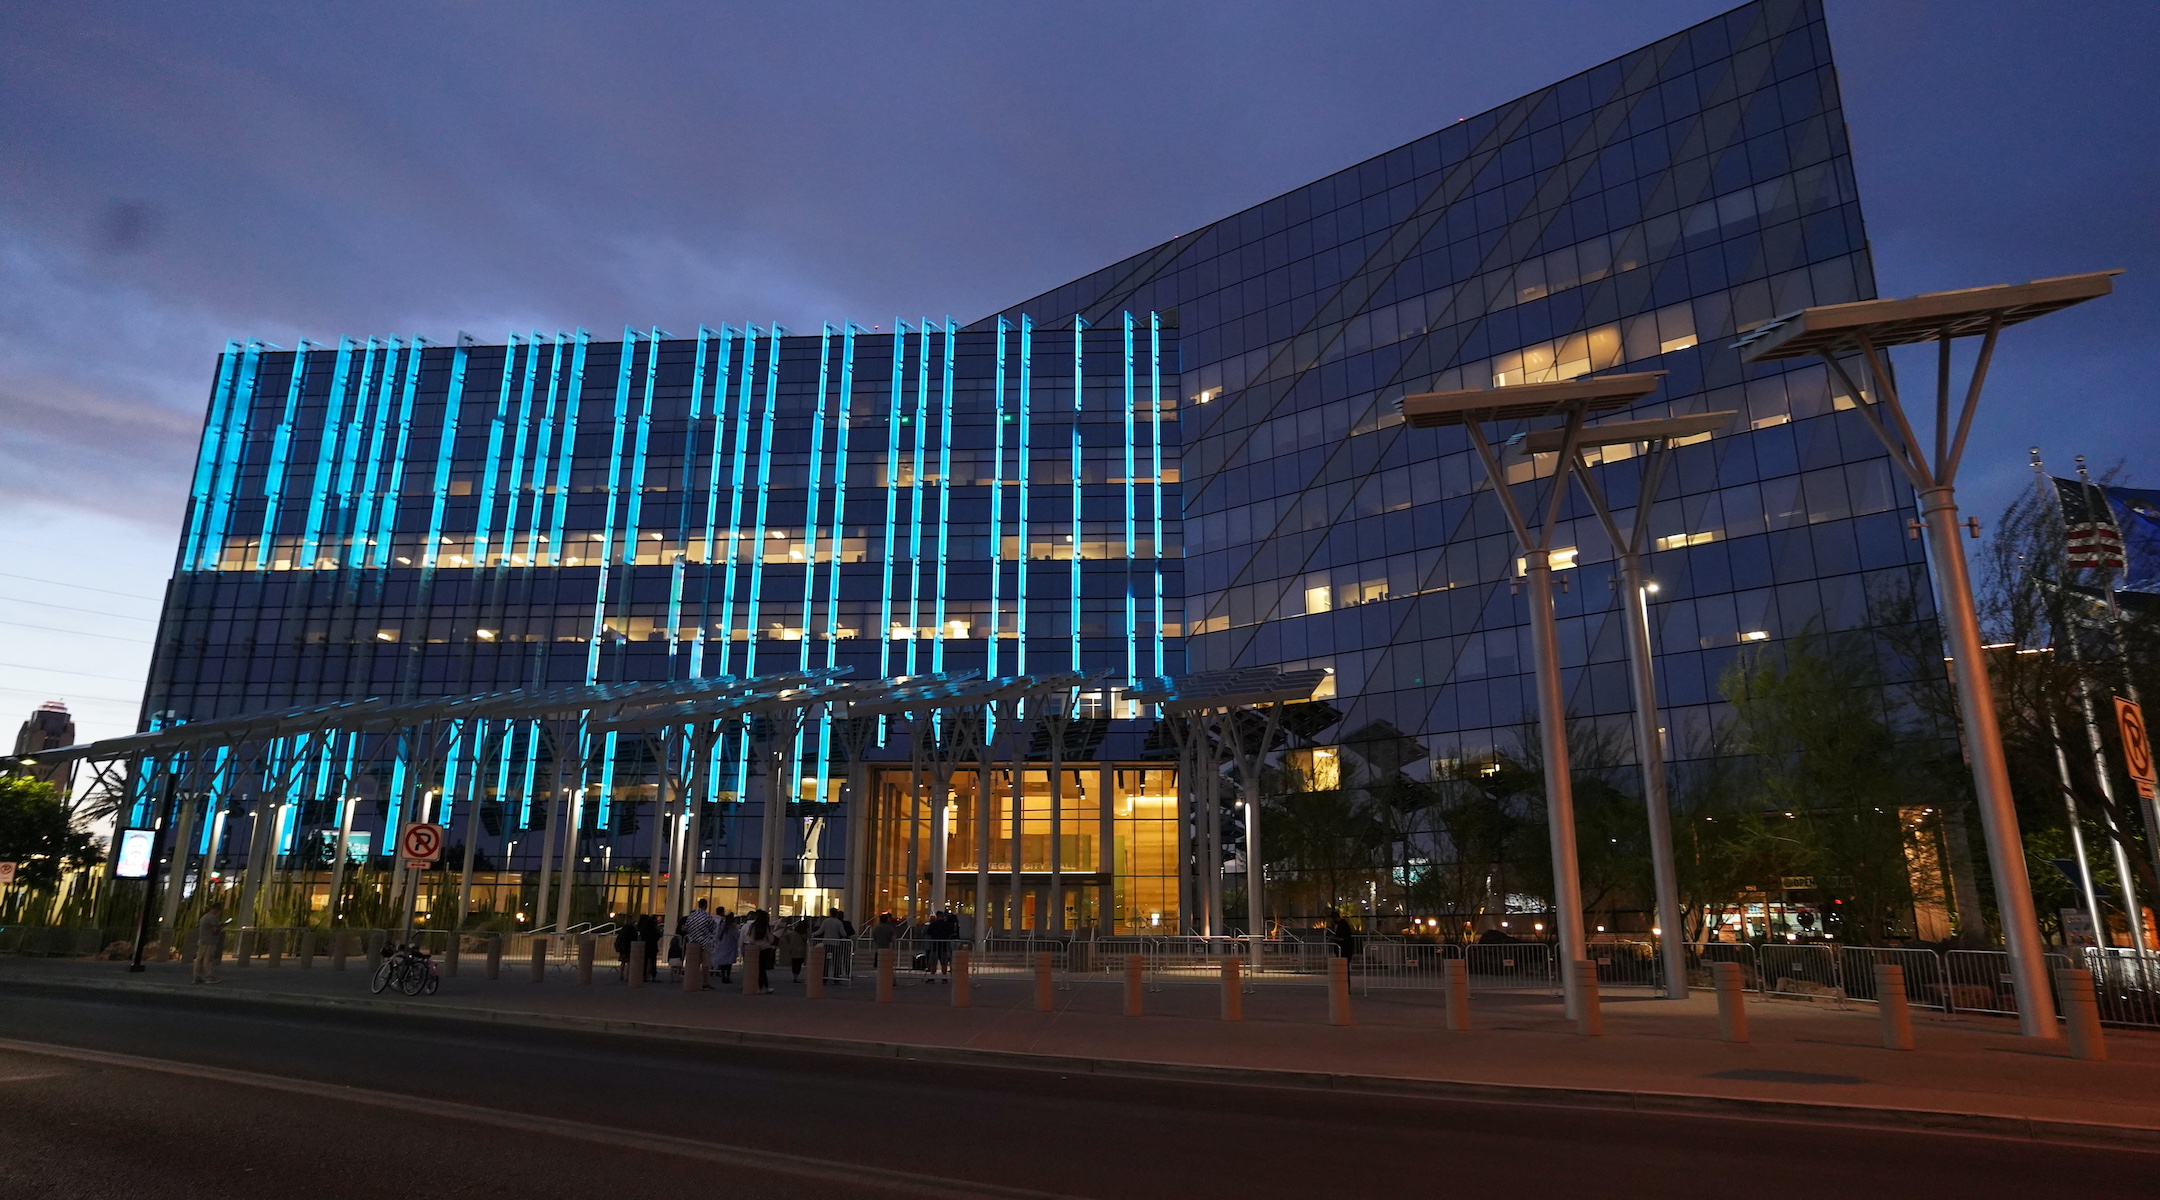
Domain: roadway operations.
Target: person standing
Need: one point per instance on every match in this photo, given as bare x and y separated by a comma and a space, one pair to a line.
702, 929
209, 943
758, 949
625, 948
1344, 937
795, 944
648, 930
835, 935
944, 930
728, 946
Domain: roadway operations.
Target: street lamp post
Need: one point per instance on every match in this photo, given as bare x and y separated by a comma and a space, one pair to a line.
1869, 328
1573, 400
1629, 547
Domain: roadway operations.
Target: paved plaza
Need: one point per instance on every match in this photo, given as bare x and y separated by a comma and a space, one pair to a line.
1814, 1061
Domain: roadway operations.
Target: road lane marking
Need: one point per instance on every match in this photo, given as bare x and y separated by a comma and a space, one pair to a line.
750, 1156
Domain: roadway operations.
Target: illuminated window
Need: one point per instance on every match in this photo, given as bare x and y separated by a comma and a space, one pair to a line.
1677, 540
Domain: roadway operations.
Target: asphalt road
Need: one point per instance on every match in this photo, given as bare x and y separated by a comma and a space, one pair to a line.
242, 1103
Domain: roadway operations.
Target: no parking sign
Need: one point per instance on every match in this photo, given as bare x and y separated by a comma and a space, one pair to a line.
420, 845
2137, 748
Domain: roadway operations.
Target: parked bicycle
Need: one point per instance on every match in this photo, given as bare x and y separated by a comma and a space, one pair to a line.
407, 968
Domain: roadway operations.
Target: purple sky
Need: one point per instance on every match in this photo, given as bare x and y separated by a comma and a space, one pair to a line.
177, 175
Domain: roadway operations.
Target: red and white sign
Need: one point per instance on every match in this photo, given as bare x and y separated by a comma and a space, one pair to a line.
420, 845
2137, 747
7, 874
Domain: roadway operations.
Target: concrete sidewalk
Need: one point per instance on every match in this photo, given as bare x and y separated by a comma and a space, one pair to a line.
1811, 1062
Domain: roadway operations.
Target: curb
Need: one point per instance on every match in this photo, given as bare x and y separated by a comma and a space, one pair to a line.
2037, 1129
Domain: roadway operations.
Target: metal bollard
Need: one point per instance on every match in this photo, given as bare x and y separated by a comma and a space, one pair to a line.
586, 947
1045, 983
634, 968
494, 957
246, 949
962, 978
1589, 1014
452, 951
339, 939
539, 959
885, 974
814, 983
307, 950
1731, 986
2081, 1013
1233, 988
1135, 984
1896, 1012
276, 949
1455, 973
749, 969
1338, 991
374, 943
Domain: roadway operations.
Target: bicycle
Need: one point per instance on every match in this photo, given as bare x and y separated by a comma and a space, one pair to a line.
407, 968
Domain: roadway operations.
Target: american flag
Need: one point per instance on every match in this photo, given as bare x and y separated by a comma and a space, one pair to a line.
2090, 535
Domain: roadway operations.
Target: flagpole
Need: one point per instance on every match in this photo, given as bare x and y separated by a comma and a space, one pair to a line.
2122, 656
2049, 496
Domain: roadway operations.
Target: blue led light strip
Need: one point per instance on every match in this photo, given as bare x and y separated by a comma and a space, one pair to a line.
997, 498
634, 511
620, 435
840, 485
566, 444
231, 451
893, 421
340, 503
834, 545
810, 544
810, 511
1079, 395
446, 445
1026, 468
1155, 390
206, 457
280, 446
386, 519
740, 462
357, 549
518, 483
543, 448
718, 422
944, 516
773, 335
922, 443
490, 474
1132, 614
309, 551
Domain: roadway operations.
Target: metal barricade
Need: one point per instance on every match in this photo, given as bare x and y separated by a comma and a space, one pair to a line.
2126, 983
1805, 969
1511, 966
1925, 981
1413, 966
1623, 964
1701, 956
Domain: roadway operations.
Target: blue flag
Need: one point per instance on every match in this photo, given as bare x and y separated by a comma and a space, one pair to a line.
2137, 514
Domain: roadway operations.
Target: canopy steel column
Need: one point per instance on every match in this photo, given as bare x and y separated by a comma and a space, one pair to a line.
1869, 328
1629, 547
1573, 401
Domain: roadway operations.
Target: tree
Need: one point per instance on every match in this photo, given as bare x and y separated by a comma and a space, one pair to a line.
35, 833
1831, 773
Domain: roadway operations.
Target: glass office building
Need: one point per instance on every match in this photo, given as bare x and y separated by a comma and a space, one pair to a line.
1189, 460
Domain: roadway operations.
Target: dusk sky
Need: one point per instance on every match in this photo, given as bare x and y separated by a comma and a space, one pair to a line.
175, 175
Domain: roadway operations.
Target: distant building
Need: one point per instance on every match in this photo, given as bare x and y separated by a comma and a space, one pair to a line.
49, 726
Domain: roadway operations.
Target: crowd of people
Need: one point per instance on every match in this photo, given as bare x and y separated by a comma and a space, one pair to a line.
750, 938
